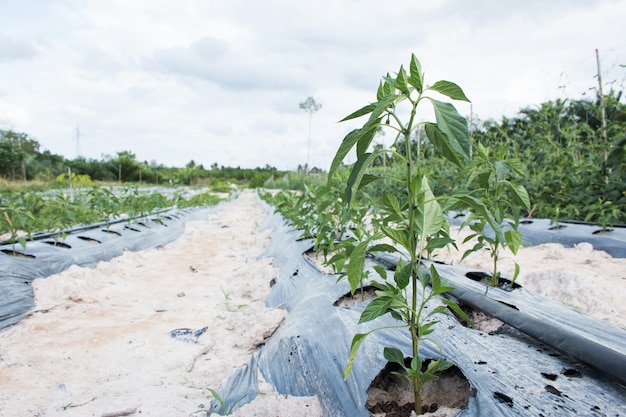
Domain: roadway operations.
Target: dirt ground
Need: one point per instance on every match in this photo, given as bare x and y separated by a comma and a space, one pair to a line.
100, 341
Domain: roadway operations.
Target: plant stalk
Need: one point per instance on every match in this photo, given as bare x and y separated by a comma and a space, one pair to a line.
413, 325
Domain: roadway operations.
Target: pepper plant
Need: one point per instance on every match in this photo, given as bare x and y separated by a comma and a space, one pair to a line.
413, 218
497, 200
16, 219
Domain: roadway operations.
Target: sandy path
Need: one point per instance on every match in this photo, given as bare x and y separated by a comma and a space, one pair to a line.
100, 340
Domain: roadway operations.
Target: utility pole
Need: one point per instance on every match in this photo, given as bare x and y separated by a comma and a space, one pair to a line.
605, 136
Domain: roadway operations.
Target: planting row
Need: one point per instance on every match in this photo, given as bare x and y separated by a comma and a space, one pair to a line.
497, 369
29, 216
405, 215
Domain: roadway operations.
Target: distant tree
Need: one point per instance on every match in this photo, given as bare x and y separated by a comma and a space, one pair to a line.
310, 106
15, 149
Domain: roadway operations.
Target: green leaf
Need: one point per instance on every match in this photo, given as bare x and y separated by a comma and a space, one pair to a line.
368, 179
382, 247
346, 145
385, 88
513, 240
437, 286
437, 366
376, 308
455, 307
401, 81
426, 328
383, 105
516, 273
481, 210
399, 236
394, 355
354, 270
438, 243
360, 112
416, 76
392, 204
380, 93
450, 122
434, 277
430, 217
440, 141
358, 171
449, 89
519, 193
365, 140
381, 271
366, 133
354, 348
402, 275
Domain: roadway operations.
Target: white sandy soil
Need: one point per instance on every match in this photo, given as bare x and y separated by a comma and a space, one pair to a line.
99, 342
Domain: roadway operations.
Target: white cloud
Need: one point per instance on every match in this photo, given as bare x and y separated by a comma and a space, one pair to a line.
221, 81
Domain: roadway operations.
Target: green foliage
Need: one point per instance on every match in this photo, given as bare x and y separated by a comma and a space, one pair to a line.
23, 213
224, 410
496, 200
15, 218
562, 152
295, 181
412, 218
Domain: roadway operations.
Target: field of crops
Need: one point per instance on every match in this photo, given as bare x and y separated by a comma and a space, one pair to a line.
392, 285
52, 214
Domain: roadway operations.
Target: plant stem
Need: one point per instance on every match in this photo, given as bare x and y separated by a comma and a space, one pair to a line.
413, 325
494, 277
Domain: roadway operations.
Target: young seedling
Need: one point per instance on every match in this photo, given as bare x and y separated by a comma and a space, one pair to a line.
224, 410
413, 219
14, 219
230, 307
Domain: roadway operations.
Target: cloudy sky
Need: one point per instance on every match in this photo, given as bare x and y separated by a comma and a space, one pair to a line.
221, 81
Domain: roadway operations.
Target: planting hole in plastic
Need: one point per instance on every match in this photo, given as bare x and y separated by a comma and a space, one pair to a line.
113, 232
503, 398
18, 254
393, 395
57, 244
557, 227
503, 283
89, 239
602, 231
348, 300
482, 321
572, 373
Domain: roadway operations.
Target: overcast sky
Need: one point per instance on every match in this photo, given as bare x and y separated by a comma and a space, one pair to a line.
221, 81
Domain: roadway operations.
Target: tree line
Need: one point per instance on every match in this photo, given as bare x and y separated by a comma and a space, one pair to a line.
22, 159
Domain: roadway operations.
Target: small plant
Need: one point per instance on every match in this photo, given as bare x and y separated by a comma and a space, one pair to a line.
74, 181
16, 219
105, 203
224, 410
497, 201
229, 306
604, 213
554, 221
413, 218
